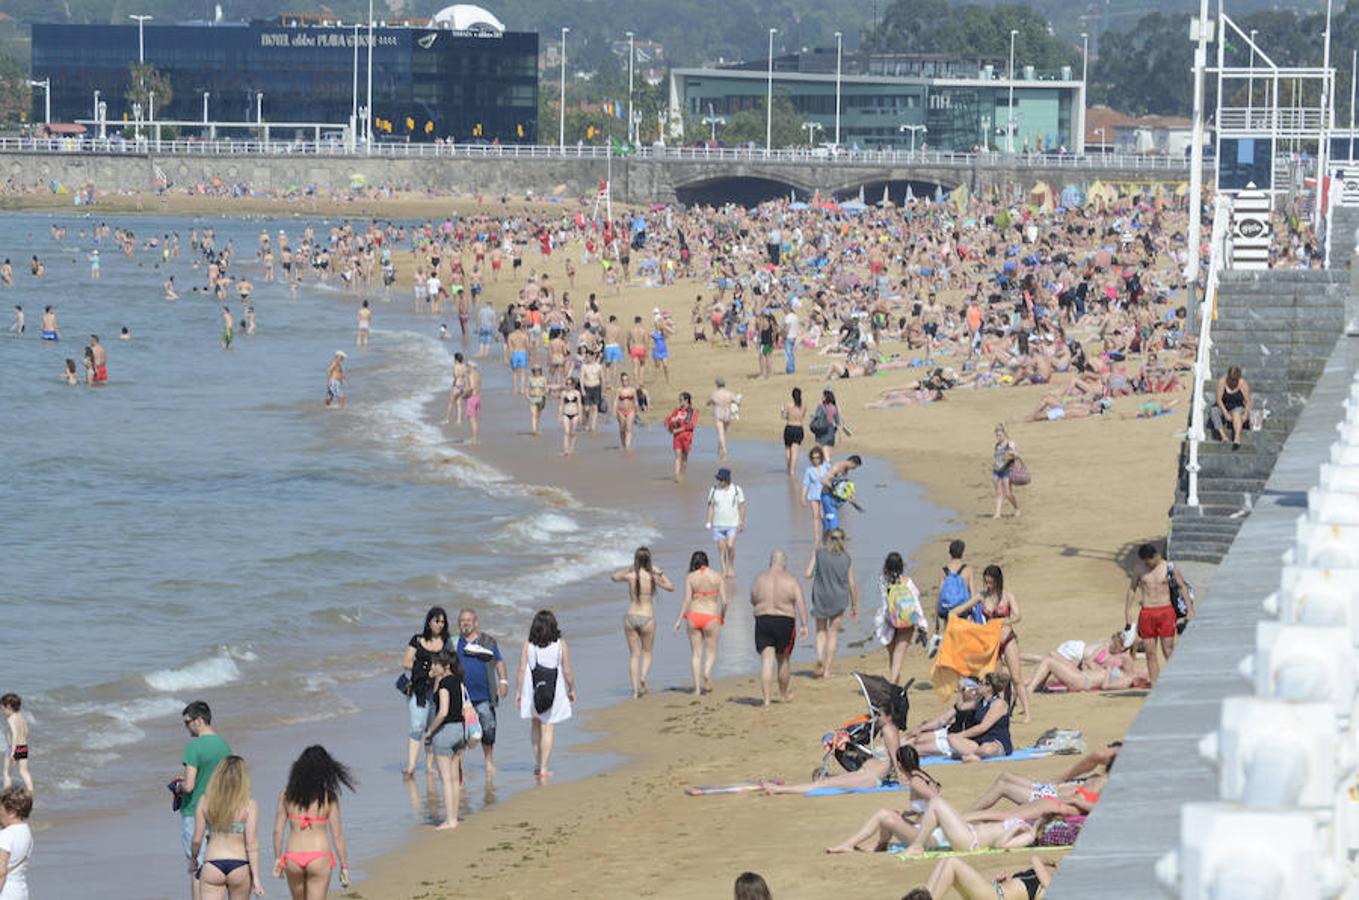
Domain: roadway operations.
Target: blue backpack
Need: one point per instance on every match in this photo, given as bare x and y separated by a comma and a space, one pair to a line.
954, 593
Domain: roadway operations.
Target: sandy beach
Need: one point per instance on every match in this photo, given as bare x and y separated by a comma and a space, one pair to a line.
1101, 487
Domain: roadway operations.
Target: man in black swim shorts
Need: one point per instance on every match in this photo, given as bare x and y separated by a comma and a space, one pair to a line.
778, 605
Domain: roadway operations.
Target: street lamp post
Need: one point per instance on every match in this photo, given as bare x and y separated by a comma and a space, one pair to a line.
712, 122
46, 85
561, 117
141, 37
812, 128
96, 106
839, 56
632, 55
1191, 265
368, 121
769, 96
354, 97
1250, 80
1010, 106
913, 129
206, 95
1085, 95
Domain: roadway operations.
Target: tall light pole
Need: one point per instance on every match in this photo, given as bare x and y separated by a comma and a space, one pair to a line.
1010, 107
561, 115
1250, 81
259, 107
1324, 139
812, 128
96, 106
1354, 72
141, 37
913, 129
631, 56
46, 85
1191, 264
839, 57
368, 119
354, 97
206, 95
769, 96
1079, 141
713, 120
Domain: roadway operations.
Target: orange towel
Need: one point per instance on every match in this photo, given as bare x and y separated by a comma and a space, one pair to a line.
968, 649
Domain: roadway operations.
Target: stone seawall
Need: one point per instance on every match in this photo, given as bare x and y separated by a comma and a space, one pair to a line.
636, 180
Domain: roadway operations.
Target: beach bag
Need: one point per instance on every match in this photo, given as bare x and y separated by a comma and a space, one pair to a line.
820, 424
470, 720
1179, 599
544, 687
1019, 473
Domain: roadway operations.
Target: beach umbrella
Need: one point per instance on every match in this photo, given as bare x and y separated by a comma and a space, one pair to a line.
357, 179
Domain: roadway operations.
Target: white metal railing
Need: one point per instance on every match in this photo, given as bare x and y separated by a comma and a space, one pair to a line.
1279, 121
445, 150
1222, 214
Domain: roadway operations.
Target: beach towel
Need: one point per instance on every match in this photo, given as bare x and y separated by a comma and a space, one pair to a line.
1023, 755
940, 854
968, 650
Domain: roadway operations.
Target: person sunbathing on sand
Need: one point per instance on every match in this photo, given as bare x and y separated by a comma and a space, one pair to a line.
1113, 669
1038, 797
962, 835
1053, 408
874, 773
952, 874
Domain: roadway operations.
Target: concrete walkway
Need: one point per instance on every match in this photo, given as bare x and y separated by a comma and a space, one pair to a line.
1138, 820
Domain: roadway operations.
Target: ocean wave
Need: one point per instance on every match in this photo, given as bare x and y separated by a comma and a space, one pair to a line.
117, 733
545, 527
214, 671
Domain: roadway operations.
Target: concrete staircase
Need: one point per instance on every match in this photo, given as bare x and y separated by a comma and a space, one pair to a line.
1279, 327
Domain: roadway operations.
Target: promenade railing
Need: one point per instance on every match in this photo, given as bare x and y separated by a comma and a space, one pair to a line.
1217, 258
444, 150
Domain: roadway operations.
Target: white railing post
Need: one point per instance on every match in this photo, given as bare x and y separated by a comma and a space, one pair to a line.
1216, 261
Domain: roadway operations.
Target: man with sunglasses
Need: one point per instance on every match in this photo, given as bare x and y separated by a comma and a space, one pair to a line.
201, 755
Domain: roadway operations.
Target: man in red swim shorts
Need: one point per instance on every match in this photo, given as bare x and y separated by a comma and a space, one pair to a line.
101, 360
1150, 587
681, 423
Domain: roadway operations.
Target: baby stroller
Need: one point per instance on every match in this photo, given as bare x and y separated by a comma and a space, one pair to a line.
852, 744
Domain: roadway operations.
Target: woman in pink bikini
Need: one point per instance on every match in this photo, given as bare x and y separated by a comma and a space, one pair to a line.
704, 608
309, 809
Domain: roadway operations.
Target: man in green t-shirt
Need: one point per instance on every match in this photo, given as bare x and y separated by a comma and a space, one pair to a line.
201, 756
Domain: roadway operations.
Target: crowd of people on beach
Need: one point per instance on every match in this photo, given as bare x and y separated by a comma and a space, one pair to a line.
1085, 300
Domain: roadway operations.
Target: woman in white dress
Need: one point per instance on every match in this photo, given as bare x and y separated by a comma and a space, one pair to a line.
546, 687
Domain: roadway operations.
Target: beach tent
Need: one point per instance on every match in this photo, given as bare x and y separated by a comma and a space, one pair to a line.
357, 179
960, 198
1040, 196
1072, 196
910, 194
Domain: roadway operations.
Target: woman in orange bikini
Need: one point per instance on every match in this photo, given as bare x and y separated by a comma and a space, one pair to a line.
309, 808
704, 608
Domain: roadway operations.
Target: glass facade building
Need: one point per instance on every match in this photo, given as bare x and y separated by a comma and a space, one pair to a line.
958, 114
427, 82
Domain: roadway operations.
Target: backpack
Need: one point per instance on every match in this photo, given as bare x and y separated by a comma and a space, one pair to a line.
903, 605
953, 593
820, 424
1179, 599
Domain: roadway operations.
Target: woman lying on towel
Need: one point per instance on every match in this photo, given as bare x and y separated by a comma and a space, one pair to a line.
874, 773
952, 874
942, 826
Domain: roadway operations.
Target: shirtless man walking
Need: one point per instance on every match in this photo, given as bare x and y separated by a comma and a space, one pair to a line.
1156, 618
101, 361
613, 345
518, 344
778, 605
365, 325
592, 386
335, 379
637, 348
472, 404
721, 401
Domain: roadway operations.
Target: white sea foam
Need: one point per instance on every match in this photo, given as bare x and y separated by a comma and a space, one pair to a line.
117, 733
545, 527
214, 671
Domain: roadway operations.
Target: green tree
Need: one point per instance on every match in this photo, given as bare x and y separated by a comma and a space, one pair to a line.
16, 95
932, 26
747, 126
1146, 69
145, 81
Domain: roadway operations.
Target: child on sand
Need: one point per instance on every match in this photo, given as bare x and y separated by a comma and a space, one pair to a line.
18, 740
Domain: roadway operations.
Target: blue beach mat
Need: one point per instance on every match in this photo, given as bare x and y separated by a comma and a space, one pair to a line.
836, 792
1027, 753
